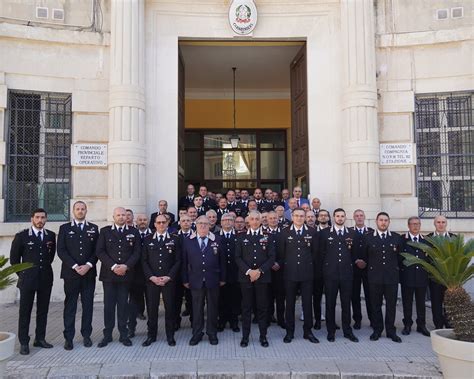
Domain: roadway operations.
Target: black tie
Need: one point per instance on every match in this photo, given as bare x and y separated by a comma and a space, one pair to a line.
143, 235
415, 239
203, 244
383, 236
120, 230
39, 235
161, 238
339, 233
227, 235
254, 233
361, 231
80, 226
298, 233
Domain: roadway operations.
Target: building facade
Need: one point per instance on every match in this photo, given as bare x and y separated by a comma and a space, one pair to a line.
365, 103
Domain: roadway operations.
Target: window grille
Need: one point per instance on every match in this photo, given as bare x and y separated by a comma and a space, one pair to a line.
38, 172
444, 135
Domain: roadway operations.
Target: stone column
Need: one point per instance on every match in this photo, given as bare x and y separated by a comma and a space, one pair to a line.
127, 154
359, 107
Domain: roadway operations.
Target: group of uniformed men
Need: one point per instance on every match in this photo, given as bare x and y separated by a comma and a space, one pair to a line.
237, 254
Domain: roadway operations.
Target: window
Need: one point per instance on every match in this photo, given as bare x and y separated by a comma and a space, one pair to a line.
38, 155
444, 134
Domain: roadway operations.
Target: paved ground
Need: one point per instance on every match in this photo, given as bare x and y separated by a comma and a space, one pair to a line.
382, 359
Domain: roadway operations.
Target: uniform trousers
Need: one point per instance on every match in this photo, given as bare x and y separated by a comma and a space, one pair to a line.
377, 293
154, 293
331, 289
27, 297
115, 298
201, 296
360, 280
259, 293
230, 302
291, 290
84, 287
437, 295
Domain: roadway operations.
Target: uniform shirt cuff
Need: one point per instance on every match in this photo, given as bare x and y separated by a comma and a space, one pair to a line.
112, 268
247, 272
90, 264
74, 267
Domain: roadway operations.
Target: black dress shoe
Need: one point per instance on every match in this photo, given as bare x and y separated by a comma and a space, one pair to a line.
311, 338
394, 338
213, 340
244, 342
351, 337
24, 350
68, 345
195, 340
87, 342
374, 336
104, 342
357, 325
220, 328
288, 338
141, 316
263, 341
171, 342
235, 328
254, 320
423, 330
43, 344
177, 326
131, 333
317, 325
185, 313
273, 319
406, 330
148, 341
338, 327
126, 342
331, 337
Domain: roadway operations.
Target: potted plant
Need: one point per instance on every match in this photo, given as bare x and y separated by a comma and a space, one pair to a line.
7, 340
449, 264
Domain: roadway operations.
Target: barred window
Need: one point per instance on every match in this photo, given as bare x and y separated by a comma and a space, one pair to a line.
38, 155
444, 134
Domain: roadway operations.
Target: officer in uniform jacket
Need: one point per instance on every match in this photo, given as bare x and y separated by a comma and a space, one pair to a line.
277, 286
381, 251
161, 258
180, 290
204, 271
238, 208
229, 296
297, 251
117, 245
360, 280
338, 249
77, 242
254, 250
28, 246
437, 291
414, 281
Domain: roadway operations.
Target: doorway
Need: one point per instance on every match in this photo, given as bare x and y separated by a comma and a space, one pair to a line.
271, 115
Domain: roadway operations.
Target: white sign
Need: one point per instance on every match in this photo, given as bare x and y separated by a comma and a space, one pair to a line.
243, 17
89, 155
395, 154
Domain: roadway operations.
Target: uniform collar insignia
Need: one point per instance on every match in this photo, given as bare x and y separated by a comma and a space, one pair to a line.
31, 243
72, 232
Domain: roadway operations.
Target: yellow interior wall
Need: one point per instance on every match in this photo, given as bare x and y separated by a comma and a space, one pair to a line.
250, 114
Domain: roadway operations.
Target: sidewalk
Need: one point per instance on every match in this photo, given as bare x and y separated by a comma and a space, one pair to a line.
413, 358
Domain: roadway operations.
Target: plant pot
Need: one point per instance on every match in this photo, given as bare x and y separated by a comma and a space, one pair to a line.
7, 347
455, 357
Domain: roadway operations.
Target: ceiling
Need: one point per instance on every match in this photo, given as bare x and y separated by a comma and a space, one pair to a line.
260, 66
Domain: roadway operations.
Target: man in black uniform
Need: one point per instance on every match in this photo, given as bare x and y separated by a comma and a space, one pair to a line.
187, 200
255, 256
381, 251
437, 290
118, 249
162, 209
161, 260
206, 200
297, 249
38, 246
360, 274
338, 248
414, 281
77, 242
229, 295
137, 289
204, 265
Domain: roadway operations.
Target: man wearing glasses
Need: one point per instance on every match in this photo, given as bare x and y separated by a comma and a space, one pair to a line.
204, 271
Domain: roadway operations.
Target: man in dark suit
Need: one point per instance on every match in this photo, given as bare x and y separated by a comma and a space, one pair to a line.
199, 205
297, 194
187, 200
277, 287
360, 274
437, 290
297, 249
221, 210
118, 249
77, 242
137, 288
229, 296
206, 200
255, 256
204, 265
161, 260
36, 245
162, 209
381, 251
414, 280
338, 248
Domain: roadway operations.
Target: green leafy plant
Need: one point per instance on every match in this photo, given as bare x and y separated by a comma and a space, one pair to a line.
450, 265
6, 274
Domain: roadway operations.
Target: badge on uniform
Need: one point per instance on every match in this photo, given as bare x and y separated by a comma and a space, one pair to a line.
215, 247
169, 246
330, 239
91, 231
263, 242
349, 243
246, 240
72, 232
30, 243
308, 240
290, 238
151, 244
